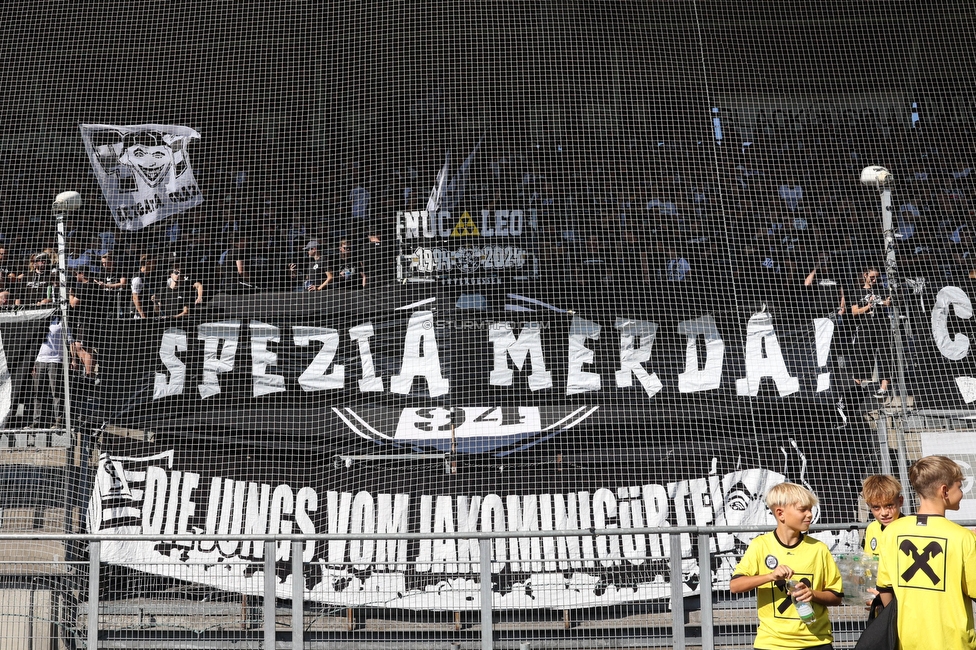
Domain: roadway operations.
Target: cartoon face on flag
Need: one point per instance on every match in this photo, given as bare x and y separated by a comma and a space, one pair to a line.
144, 171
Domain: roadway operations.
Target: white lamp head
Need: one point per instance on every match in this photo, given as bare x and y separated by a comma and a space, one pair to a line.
67, 202
876, 176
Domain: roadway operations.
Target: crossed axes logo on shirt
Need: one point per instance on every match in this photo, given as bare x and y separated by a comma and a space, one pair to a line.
920, 559
785, 605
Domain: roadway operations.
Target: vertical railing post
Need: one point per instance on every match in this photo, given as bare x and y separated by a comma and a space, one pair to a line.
677, 593
487, 629
65, 331
297, 596
270, 594
884, 453
705, 592
94, 558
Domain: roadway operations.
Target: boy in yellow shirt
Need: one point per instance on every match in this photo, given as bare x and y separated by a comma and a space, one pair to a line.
788, 553
883, 495
929, 563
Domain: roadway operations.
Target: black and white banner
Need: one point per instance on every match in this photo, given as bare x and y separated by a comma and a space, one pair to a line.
144, 171
159, 489
425, 375
405, 412
21, 334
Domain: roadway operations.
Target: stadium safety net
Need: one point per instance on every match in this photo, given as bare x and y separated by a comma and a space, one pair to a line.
433, 267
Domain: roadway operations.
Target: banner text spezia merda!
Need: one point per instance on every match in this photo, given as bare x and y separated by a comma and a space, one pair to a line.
425, 353
507, 347
155, 494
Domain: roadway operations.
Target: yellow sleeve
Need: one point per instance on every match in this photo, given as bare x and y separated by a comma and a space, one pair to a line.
832, 578
749, 564
884, 581
869, 534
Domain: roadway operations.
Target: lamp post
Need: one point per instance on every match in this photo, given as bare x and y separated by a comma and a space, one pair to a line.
881, 179
64, 203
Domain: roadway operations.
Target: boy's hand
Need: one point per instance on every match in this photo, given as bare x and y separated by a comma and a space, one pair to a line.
782, 572
873, 592
802, 593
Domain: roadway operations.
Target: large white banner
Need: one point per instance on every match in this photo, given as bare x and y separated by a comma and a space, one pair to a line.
144, 170
154, 493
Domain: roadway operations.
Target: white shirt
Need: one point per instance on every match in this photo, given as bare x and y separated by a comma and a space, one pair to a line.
50, 351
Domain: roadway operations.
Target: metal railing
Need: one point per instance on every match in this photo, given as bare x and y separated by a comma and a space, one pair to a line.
676, 601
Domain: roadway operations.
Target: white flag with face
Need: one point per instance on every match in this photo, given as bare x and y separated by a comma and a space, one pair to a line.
144, 171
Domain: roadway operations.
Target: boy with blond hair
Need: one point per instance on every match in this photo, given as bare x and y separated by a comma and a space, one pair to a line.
788, 553
929, 563
883, 496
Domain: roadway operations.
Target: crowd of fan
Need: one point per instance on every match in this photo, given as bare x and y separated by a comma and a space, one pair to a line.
762, 219
144, 277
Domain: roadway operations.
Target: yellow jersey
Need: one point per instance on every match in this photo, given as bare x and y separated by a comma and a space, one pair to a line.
929, 563
780, 627
872, 537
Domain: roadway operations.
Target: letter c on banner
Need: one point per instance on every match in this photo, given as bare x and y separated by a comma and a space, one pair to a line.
953, 348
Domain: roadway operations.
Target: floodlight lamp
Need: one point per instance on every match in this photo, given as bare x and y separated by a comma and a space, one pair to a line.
67, 202
876, 176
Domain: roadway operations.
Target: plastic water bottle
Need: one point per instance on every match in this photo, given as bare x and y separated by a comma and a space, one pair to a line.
805, 610
858, 579
870, 564
843, 565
